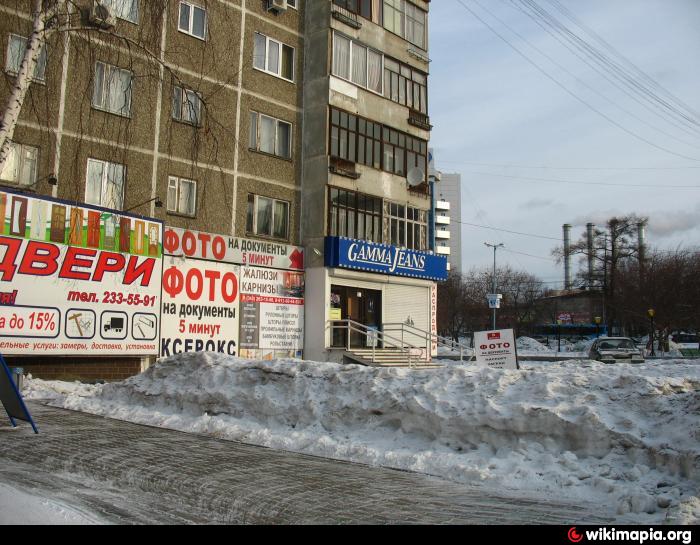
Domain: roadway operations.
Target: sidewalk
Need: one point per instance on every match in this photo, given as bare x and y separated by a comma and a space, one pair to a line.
132, 474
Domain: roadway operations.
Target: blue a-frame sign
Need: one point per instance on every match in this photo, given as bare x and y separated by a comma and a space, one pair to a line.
11, 398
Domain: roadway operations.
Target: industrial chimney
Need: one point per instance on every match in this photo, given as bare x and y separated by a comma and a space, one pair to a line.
568, 283
590, 227
641, 241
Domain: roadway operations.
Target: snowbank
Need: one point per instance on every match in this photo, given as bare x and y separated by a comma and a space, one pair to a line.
528, 344
626, 436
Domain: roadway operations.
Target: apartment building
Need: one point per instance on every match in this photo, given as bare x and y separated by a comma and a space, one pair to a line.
365, 193
185, 111
448, 218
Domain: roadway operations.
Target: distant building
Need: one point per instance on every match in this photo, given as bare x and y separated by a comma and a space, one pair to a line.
448, 233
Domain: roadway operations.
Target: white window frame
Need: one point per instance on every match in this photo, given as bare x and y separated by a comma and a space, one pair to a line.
403, 12
292, 4
189, 30
258, 135
281, 45
117, 7
40, 63
368, 49
19, 151
185, 102
176, 183
254, 230
104, 99
104, 181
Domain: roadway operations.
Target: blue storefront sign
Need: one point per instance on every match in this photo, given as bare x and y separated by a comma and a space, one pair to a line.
349, 253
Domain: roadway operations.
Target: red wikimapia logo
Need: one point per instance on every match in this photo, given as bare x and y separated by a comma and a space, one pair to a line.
574, 536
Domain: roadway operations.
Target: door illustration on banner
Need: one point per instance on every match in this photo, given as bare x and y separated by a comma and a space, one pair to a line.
93, 232
110, 228
153, 241
18, 218
139, 232
37, 228
359, 305
76, 227
3, 205
58, 223
125, 235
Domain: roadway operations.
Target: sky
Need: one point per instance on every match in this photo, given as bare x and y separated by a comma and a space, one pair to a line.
499, 116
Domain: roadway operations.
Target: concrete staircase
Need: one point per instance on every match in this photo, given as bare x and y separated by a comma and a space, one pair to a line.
386, 357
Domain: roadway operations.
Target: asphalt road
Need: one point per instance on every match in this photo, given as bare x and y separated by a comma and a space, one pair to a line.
132, 474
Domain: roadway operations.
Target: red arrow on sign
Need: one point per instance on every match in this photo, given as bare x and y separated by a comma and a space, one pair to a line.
296, 260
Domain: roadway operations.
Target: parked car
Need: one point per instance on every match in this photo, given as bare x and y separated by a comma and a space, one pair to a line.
615, 349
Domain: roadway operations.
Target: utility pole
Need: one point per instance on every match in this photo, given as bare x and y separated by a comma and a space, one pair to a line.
495, 247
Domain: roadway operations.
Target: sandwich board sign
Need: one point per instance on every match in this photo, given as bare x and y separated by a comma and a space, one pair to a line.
11, 399
496, 349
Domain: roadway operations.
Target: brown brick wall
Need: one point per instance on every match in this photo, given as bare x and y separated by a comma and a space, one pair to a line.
82, 369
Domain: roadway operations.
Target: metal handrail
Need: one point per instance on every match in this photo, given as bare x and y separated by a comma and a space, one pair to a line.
351, 325
427, 336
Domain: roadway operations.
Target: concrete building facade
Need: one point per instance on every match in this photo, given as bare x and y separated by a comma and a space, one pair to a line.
450, 190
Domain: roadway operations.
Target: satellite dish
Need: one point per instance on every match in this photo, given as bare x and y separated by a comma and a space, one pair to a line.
416, 176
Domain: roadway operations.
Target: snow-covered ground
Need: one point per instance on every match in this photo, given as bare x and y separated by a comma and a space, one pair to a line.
19, 507
622, 435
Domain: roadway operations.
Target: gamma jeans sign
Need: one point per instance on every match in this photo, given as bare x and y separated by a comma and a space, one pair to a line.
76, 279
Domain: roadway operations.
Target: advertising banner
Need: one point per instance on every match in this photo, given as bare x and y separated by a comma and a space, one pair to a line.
200, 307
496, 349
227, 249
77, 279
384, 259
272, 313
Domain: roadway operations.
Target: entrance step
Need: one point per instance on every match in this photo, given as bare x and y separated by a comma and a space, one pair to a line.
386, 358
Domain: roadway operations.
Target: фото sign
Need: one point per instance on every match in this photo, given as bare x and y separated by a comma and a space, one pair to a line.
496, 349
227, 249
212, 301
384, 259
77, 279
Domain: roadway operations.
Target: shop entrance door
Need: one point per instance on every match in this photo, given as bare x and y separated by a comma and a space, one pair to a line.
359, 305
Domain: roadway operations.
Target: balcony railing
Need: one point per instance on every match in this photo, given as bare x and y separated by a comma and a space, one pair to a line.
346, 16
418, 119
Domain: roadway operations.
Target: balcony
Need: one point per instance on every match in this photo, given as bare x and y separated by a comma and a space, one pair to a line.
420, 120
442, 250
442, 205
345, 16
342, 167
442, 220
442, 234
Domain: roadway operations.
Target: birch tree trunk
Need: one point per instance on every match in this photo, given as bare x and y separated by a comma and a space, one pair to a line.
35, 43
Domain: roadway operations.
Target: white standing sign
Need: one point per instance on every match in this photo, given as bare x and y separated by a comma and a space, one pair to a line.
496, 349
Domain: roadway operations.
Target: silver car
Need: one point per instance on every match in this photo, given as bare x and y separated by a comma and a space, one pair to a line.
615, 349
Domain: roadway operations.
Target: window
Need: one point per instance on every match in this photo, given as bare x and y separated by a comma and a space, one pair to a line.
405, 85
360, 140
267, 217
105, 184
357, 63
15, 53
20, 165
408, 226
192, 20
273, 57
406, 20
124, 9
360, 7
112, 91
292, 3
182, 196
354, 215
187, 106
270, 135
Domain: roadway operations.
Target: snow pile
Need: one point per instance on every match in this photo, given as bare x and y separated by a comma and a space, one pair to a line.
625, 436
528, 344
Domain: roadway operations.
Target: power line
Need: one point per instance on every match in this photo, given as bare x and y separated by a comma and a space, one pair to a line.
564, 168
560, 181
529, 255
562, 86
504, 230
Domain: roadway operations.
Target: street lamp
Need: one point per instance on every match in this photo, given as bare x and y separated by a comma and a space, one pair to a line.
597, 321
651, 312
495, 247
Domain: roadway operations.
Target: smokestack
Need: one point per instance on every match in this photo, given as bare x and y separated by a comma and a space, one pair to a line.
567, 256
591, 253
641, 240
